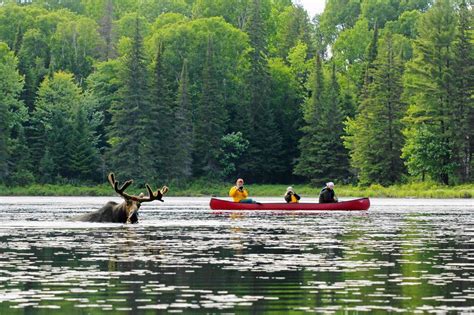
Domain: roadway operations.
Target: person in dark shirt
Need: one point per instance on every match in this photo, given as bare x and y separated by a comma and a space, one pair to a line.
327, 194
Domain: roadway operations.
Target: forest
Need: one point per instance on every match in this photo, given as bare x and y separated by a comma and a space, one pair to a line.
174, 91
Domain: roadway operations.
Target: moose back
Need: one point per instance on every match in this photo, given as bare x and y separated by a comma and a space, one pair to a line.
125, 212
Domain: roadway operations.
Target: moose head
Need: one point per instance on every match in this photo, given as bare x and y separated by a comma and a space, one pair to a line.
127, 211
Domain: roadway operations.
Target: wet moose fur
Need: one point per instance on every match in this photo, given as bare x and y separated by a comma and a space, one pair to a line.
125, 212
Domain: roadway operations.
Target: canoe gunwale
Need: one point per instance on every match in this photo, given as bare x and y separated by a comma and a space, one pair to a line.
360, 204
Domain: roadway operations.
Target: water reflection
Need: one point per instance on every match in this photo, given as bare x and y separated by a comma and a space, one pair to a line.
401, 256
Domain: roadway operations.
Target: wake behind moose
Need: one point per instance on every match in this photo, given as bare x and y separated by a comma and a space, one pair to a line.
127, 211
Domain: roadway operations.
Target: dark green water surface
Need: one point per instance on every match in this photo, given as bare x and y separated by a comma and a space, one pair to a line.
401, 256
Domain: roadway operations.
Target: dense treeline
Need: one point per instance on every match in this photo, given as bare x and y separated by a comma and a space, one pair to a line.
369, 91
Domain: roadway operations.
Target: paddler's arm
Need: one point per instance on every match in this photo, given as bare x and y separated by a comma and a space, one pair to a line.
233, 191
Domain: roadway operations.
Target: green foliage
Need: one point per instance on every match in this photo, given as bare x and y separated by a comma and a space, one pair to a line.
127, 132
159, 121
292, 26
463, 108
429, 81
210, 120
262, 161
74, 46
323, 156
151, 88
183, 129
233, 146
104, 85
338, 15
12, 111
233, 11
374, 137
62, 126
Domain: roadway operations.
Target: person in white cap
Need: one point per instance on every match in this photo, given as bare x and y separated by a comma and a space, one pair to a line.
291, 196
327, 194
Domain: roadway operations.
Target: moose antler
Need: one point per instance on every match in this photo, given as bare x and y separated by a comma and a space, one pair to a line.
151, 195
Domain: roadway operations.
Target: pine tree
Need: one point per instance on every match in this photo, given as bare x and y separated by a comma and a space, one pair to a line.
431, 90
375, 135
463, 84
262, 161
183, 125
211, 119
127, 131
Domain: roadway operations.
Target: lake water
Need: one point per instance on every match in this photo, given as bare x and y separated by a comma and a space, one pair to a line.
403, 255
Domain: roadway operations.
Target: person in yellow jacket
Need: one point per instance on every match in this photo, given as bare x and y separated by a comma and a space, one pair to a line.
291, 196
239, 193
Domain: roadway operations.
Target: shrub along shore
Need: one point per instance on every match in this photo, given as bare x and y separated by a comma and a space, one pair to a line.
201, 188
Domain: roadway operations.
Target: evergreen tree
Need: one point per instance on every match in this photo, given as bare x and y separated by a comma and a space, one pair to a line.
127, 131
105, 30
375, 135
47, 168
337, 159
308, 164
371, 56
103, 86
85, 159
323, 156
34, 60
60, 145
211, 119
159, 122
12, 111
463, 110
263, 159
183, 125
430, 83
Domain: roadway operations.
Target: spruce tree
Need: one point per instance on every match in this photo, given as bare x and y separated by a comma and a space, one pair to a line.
323, 156
309, 162
183, 125
127, 131
211, 120
85, 159
262, 161
160, 122
337, 159
430, 87
375, 135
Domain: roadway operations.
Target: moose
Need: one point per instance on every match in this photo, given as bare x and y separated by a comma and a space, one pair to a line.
127, 211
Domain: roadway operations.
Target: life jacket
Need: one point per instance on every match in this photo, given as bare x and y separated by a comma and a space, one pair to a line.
292, 198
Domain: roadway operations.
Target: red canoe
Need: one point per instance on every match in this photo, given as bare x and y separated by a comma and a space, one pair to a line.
356, 204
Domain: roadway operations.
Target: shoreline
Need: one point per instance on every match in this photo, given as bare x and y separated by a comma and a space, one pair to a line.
200, 189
